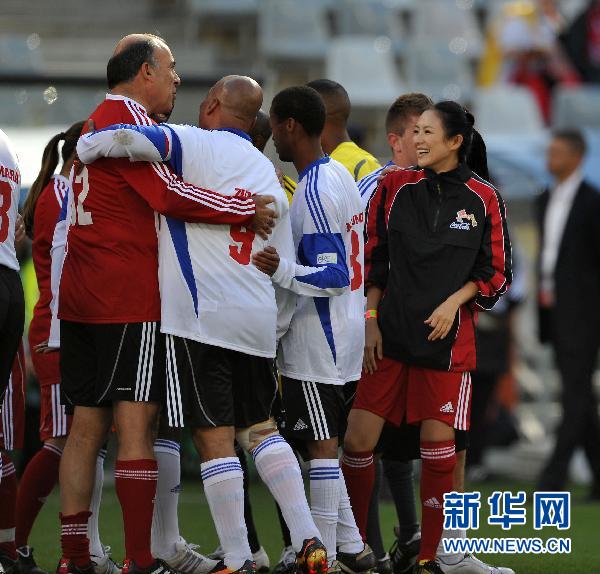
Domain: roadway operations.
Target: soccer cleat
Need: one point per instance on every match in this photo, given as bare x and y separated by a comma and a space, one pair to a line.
364, 561
430, 567
187, 561
312, 559
8, 565
217, 554
472, 565
105, 564
157, 567
247, 568
404, 554
261, 560
26, 563
384, 565
287, 562
335, 568
67, 567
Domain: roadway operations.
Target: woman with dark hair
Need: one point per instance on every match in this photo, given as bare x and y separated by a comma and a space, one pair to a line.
46, 197
436, 251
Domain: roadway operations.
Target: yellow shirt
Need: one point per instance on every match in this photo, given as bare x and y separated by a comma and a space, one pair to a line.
356, 160
289, 186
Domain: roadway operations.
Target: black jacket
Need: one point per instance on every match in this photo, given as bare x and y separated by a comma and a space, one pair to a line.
426, 236
573, 322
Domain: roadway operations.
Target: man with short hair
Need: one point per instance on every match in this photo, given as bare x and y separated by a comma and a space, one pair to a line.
322, 349
112, 351
569, 275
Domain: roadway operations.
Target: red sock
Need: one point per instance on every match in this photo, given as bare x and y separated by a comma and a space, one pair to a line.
359, 474
438, 461
74, 540
135, 483
38, 481
8, 496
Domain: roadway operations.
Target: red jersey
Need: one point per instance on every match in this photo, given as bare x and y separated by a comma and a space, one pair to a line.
110, 272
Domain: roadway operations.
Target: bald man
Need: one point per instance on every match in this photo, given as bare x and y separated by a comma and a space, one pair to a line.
221, 315
112, 350
335, 139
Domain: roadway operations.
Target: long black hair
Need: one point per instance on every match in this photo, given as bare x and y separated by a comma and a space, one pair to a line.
49, 163
456, 120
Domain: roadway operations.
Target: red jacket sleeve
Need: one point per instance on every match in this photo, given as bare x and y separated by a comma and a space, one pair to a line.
170, 195
377, 261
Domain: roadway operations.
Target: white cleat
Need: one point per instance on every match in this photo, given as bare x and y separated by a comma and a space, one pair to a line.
261, 559
472, 565
187, 561
105, 564
286, 562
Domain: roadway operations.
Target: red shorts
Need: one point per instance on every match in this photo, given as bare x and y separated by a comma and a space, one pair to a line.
399, 392
47, 367
54, 423
12, 423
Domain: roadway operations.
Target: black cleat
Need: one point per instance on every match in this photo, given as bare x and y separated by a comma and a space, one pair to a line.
384, 565
431, 567
248, 567
26, 562
157, 567
67, 567
364, 561
7, 565
287, 562
404, 554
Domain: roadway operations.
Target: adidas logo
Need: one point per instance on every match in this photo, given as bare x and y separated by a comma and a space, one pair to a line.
300, 425
447, 408
432, 503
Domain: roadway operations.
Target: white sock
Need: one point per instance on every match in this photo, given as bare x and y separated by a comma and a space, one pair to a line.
324, 476
348, 535
452, 558
224, 489
165, 520
280, 471
96, 548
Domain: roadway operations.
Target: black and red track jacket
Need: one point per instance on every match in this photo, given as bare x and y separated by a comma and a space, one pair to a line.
426, 235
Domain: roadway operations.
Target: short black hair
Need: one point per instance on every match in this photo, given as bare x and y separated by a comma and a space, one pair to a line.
336, 98
328, 87
303, 104
574, 138
403, 108
123, 67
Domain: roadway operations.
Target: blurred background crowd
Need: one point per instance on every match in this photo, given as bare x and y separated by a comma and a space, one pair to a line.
524, 68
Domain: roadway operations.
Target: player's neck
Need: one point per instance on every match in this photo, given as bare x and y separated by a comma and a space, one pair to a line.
332, 137
132, 93
306, 153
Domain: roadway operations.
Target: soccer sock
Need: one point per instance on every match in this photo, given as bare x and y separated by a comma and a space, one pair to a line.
438, 461
73, 538
324, 477
38, 481
348, 536
451, 558
248, 516
96, 548
8, 499
285, 531
224, 489
400, 478
135, 484
374, 538
359, 473
165, 520
279, 469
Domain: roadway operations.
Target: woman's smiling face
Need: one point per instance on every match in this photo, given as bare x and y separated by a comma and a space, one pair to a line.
434, 149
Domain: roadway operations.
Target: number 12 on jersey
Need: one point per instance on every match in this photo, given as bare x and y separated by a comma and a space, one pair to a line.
244, 236
78, 215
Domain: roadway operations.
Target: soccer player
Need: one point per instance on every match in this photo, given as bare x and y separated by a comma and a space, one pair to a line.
321, 350
221, 315
112, 352
335, 139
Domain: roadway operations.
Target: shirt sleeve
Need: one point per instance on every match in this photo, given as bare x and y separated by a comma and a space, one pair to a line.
321, 269
493, 267
377, 261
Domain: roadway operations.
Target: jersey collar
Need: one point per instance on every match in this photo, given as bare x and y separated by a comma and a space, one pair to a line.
235, 131
124, 99
324, 159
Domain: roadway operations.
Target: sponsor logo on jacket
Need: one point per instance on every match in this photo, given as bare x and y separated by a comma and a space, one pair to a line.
464, 221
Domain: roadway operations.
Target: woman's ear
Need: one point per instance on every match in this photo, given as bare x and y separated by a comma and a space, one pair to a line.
456, 142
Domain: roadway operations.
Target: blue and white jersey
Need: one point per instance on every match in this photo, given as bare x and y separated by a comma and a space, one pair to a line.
210, 291
325, 339
368, 184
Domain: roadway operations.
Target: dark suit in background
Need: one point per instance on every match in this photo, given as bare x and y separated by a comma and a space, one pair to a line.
572, 326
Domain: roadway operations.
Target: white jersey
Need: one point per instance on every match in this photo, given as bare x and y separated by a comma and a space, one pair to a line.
368, 184
210, 291
10, 190
325, 340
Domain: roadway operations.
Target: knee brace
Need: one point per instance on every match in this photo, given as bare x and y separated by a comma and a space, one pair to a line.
249, 438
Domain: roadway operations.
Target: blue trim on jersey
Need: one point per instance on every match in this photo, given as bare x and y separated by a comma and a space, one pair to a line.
235, 131
310, 202
63, 208
324, 159
365, 183
322, 306
182, 250
153, 133
176, 160
330, 275
316, 190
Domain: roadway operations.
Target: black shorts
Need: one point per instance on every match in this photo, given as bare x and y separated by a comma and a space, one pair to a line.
313, 411
103, 363
221, 387
12, 319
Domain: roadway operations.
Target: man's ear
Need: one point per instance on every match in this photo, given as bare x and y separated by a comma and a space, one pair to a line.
393, 140
290, 124
212, 105
146, 70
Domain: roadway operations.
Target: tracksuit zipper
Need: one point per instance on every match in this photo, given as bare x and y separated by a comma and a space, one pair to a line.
439, 206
